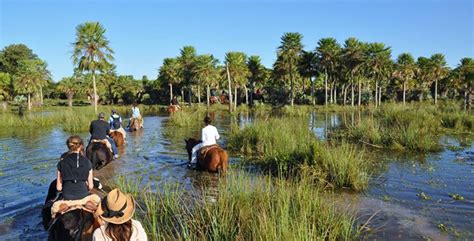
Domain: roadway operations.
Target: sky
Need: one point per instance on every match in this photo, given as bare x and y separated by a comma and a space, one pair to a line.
143, 33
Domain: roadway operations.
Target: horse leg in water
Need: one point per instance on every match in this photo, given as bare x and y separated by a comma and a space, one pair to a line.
224, 162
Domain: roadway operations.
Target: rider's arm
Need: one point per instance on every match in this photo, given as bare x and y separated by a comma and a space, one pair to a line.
90, 181
217, 135
90, 128
59, 182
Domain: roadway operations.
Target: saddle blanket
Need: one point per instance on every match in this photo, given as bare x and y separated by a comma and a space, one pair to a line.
106, 143
63, 206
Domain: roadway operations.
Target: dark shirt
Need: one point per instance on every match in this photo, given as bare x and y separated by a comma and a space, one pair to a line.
174, 102
74, 170
99, 129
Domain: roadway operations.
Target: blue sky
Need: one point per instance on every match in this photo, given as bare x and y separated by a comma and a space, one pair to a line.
142, 33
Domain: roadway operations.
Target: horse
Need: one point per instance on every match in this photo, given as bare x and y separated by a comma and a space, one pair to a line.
99, 154
173, 109
215, 160
118, 138
213, 100
224, 99
74, 225
135, 124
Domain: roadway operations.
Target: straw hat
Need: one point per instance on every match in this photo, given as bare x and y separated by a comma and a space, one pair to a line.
116, 207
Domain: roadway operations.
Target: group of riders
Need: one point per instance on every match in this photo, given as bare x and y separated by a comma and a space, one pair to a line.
76, 188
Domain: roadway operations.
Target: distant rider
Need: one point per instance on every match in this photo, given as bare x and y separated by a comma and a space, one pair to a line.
100, 130
135, 114
115, 122
174, 102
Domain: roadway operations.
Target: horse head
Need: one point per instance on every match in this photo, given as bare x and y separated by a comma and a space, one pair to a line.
99, 154
190, 143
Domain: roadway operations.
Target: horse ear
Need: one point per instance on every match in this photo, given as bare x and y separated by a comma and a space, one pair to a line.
186, 141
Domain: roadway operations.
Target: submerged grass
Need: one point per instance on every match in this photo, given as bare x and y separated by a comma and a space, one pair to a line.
412, 127
244, 208
70, 119
287, 144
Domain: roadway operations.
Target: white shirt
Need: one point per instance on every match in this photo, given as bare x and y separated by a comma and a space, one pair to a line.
138, 233
135, 112
209, 135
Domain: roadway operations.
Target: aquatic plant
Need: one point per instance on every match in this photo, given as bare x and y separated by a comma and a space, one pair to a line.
244, 207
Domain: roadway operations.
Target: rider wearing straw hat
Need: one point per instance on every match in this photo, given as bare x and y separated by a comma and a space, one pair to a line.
116, 210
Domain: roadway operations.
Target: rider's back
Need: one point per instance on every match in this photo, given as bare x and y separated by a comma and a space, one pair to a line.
99, 129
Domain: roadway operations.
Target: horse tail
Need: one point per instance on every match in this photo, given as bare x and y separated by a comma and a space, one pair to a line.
224, 161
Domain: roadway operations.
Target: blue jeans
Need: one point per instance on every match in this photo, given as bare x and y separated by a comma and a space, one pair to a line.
114, 146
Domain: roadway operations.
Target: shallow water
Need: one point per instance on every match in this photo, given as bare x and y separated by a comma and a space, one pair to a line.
28, 160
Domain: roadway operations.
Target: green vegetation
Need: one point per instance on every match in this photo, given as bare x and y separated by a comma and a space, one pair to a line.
413, 127
287, 144
243, 208
72, 119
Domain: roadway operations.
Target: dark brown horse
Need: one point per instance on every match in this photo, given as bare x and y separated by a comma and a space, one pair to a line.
215, 160
173, 109
135, 124
117, 136
99, 154
71, 226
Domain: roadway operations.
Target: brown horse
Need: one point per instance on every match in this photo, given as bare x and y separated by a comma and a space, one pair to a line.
73, 225
135, 124
215, 160
173, 109
99, 154
117, 136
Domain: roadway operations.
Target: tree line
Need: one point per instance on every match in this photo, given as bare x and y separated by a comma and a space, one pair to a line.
352, 73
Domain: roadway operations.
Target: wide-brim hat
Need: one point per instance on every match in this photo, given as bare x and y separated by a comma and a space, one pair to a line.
117, 207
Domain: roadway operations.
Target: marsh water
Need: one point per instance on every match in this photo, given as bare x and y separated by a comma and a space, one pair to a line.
392, 205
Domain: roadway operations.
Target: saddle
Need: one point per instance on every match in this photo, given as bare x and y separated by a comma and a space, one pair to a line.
89, 203
105, 142
204, 150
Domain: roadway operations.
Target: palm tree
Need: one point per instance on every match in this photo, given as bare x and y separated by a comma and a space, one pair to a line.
257, 74
69, 86
463, 78
29, 77
290, 52
423, 75
308, 69
91, 51
5, 86
169, 72
439, 70
378, 65
354, 54
405, 71
206, 72
237, 68
187, 60
328, 55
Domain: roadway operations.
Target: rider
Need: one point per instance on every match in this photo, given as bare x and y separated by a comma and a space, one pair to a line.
115, 122
100, 130
74, 176
174, 102
135, 114
209, 136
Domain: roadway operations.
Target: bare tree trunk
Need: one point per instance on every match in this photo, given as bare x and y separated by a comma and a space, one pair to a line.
325, 87
246, 95
436, 91
41, 95
376, 92
69, 99
344, 94
330, 93
380, 95
199, 94
292, 96
352, 92
335, 94
208, 94
465, 99
404, 89
190, 95
313, 97
235, 97
251, 92
29, 101
230, 88
171, 92
360, 91
95, 91
182, 95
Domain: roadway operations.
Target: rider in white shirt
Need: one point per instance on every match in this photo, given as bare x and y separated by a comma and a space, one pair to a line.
209, 136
